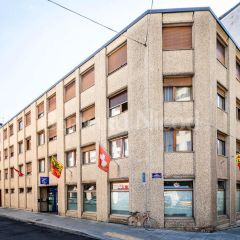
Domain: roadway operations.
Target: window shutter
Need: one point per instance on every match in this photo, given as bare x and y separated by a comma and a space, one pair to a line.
88, 114
52, 103
52, 131
221, 91
88, 148
177, 82
238, 70
28, 118
220, 52
71, 121
175, 38
40, 108
70, 91
220, 136
117, 59
118, 99
87, 79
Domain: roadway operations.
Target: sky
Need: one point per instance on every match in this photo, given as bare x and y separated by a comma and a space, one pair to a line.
40, 42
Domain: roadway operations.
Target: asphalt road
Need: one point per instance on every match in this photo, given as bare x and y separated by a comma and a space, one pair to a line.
14, 230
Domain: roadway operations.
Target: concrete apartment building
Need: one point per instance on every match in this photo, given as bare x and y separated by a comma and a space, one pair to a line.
168, 112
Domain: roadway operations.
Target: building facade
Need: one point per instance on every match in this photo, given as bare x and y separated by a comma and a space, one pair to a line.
167, 111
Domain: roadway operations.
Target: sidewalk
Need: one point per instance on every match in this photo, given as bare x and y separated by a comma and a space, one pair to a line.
111, 231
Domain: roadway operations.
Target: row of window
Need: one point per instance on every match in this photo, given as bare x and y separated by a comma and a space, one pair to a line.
21, 190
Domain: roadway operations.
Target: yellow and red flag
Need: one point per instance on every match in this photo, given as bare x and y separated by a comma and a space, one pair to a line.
56, 167
238, 160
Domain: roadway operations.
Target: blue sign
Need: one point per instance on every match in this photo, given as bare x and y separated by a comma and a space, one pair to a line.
143, 177
156, 175
44, 180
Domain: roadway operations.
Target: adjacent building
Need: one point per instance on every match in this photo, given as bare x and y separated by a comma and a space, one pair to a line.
167, 111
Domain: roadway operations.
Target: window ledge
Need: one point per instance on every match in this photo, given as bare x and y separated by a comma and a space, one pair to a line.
66, 134
109, 74
182, 49
224, 111
191, 101
88, 164
179, 218
179, 152
219, 155
88, 126
116, 159
222, 64
117, 114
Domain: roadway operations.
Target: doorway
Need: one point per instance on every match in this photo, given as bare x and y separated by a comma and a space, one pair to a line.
49, 199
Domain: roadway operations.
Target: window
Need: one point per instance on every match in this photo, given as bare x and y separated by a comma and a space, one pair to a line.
20, 169
119, 147
40, 110
221, 144
238, 198
89, 198
21, 190
41, 138
29, 190
41, 165
220, 52
29, 168
72, 197
71, 124
71, 158
28, 119
11, 151
238, 109
11, 130
118, 104
52, 132
221, 98
5, 134
6, 174
70, 91
20, 124
12, 190
88, 116
117, 58
5, 153
52, 103
20, 147
87, 79
28, 144
178, 199
237, 146
177, 140
0, 175
221, 198
238, 70
120, 198
177, 37
6, 191
89, 154
12, 172
177, 89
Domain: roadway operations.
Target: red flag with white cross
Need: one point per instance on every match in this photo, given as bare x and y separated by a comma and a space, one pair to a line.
103, 159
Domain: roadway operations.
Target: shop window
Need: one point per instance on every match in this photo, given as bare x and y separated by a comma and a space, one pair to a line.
88, 117
177, 37
118, 104
221, 198
89, 198
177, 89
238, 198
119, 147
177, 140
221, 144
71, 158
178, 199
87, 79
89, 154
117, 58
71, 124
120, 198
72, 197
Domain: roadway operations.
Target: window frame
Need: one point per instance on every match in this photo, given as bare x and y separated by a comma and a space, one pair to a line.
73, 127
48, 103
41, 133
20, 147
220, 42
224, 190
72, 82
121, 105
122, 148
89, 191
74, 152
40, 170
221, 138
68, 197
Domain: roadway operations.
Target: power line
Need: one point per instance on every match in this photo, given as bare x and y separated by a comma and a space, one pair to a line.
94, 21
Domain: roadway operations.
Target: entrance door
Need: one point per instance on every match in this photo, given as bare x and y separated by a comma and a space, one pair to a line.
52, 199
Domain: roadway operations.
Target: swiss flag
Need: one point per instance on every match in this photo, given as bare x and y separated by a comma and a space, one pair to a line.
103, 159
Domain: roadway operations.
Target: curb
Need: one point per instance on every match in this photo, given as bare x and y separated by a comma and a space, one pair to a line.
54, 227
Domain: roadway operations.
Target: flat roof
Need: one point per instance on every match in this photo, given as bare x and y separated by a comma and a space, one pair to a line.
153, 11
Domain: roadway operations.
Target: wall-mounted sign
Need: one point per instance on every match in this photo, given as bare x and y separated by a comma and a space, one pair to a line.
44, 180
156, 175
143, 177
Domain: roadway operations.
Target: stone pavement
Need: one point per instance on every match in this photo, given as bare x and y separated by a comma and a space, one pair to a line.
111, 231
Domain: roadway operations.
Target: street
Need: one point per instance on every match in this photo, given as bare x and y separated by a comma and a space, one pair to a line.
14, 230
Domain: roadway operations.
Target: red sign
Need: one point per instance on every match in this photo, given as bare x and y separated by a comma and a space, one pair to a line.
103, 159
